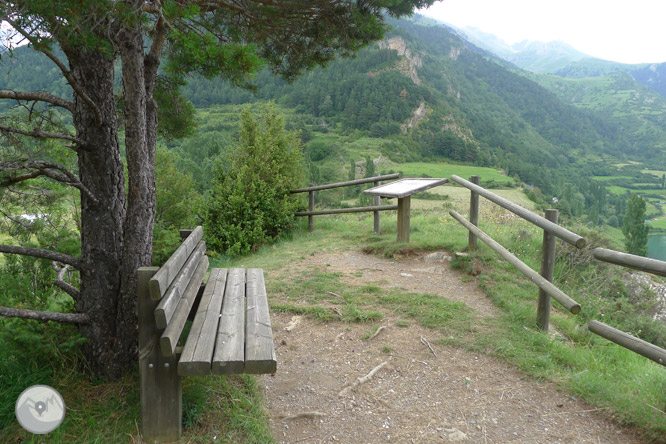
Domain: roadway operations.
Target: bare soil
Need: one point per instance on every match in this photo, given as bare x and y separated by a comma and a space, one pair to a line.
334, 386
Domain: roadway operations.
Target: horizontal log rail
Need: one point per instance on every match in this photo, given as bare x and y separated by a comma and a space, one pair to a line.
636, 345
653, 266
376, 208
541, 222
347, 183
347, 210
536, 278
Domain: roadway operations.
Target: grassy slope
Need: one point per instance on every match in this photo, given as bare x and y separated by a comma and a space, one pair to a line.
229, 409
578, 361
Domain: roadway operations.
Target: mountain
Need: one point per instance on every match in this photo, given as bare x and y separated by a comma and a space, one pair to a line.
541, 57
652, 76
426, 93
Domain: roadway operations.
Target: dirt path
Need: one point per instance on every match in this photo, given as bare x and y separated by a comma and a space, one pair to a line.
412, 394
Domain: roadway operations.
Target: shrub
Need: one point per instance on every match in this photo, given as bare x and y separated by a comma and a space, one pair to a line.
251, 204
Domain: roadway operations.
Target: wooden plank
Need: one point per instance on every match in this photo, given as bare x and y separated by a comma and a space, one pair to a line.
160, 392
167, 273
229, 356
636, 345
346, 184
347, 210
641, 263
171, 334
198, 351
171, 299
259, 347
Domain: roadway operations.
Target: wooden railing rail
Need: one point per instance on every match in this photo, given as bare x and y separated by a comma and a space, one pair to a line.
541, 222
636, 345
347, 183
640, 263
376, 208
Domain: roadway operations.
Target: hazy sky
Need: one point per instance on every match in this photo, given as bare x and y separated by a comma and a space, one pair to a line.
628, 31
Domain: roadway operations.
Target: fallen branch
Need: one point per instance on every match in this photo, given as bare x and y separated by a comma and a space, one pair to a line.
313, 414
334, 294
363, 379
424, 341
74, 318
377, 332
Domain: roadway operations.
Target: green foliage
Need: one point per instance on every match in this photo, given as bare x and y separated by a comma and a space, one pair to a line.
634, 229
178, 204
251, 204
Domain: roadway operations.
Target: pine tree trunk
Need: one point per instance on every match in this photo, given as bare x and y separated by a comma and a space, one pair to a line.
116, 226
101, 171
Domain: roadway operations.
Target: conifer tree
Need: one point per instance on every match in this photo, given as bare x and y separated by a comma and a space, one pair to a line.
634, 229
151, 45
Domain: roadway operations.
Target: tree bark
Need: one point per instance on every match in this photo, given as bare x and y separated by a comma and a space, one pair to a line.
101, 172
139, 221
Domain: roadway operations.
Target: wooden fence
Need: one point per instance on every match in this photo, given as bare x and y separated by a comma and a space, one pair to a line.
551, 230
545, 279
376, 208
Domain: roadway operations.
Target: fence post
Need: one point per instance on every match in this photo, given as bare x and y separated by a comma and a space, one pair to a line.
311, 208
473, 212
547, 271
376, 200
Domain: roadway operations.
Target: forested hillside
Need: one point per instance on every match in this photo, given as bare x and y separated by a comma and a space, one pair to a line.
425, 94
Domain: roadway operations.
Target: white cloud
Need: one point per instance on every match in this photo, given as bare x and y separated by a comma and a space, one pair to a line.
629, 32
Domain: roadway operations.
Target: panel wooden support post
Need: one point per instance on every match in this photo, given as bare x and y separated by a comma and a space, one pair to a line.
160, 385
311, 208
404, 204
376, 201
547, 271
473, 212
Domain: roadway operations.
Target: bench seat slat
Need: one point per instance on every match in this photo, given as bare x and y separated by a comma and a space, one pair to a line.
198, 351
229, 356
169, 302
259, 348
171, 334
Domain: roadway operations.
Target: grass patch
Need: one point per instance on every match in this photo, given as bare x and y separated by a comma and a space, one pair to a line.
440, 169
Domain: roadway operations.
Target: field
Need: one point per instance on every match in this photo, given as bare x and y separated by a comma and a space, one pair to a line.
428, 169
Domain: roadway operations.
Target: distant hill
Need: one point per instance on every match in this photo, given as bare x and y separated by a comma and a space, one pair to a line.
652, 76
426, 93
532, 56
591, 67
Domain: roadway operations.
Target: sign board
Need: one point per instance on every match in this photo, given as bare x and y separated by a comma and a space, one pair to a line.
405, 187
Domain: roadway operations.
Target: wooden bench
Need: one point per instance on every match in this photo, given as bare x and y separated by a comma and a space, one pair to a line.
230, 332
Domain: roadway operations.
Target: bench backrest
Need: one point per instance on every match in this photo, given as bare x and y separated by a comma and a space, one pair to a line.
176, 285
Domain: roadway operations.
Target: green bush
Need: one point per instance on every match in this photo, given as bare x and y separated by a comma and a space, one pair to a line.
251, 204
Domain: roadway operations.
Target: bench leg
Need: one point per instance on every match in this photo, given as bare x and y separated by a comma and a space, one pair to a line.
160, 386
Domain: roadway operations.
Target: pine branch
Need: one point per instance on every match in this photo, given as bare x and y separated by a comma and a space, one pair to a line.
73, 318
51, 170
39, 96
39, 134
68, 288
44, 254
65, 72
